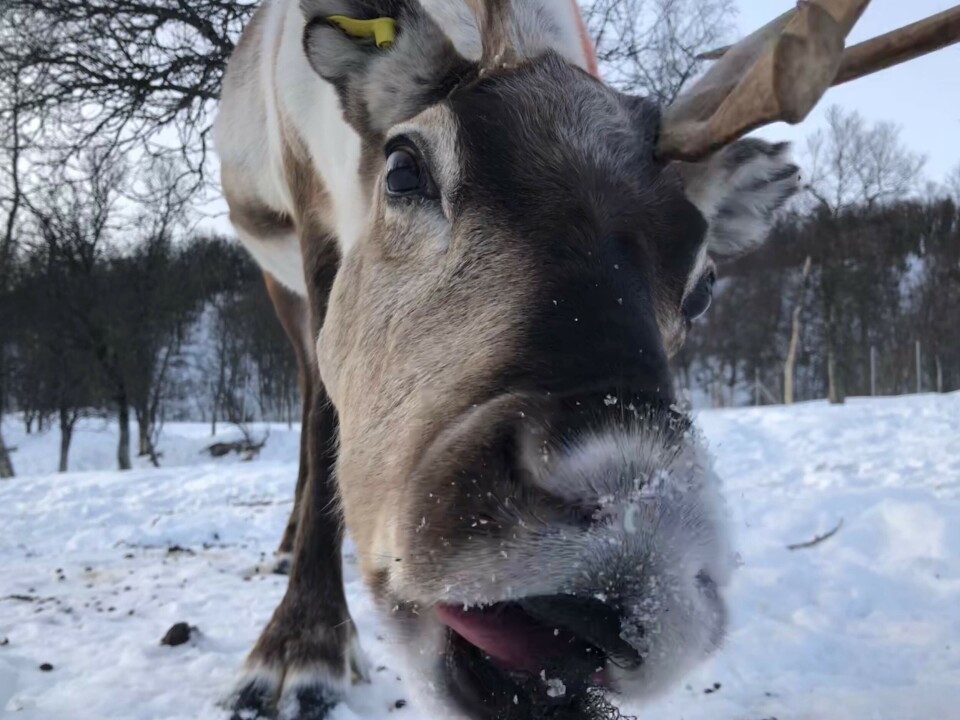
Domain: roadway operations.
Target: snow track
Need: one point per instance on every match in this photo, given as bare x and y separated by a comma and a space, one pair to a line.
97, 565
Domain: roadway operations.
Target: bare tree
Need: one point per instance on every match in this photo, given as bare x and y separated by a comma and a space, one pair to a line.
953, 184
159, 303
140, 77
73, 219
790, 365
851, 163
56, 372
933, 292
6, 464
11, 201
650, 47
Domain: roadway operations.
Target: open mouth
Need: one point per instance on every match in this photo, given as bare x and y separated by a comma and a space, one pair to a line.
536, 657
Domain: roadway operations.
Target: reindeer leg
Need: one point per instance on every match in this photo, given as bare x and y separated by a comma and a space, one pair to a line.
284, 555
293, 313
308, 654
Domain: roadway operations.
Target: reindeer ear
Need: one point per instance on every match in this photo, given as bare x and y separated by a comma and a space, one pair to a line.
381, 83
739, 190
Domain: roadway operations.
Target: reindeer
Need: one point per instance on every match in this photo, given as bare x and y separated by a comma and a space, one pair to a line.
484, 258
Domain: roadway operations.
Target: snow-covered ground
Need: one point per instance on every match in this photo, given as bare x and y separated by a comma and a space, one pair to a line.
97, 565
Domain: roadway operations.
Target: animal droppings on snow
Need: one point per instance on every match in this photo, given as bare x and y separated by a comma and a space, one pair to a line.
179, 634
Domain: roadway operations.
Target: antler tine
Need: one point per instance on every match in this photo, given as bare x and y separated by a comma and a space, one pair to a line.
779, 72
899, 46
893, 48
494, 23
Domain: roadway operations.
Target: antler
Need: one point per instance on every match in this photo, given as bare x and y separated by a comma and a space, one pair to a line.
780, 73
907, 43
493, 21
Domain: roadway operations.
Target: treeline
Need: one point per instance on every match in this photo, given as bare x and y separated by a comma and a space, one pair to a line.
855, 292
184, 330
163, 330
159, 329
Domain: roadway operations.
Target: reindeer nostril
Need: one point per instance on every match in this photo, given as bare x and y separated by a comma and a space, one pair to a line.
708, 586
711, 593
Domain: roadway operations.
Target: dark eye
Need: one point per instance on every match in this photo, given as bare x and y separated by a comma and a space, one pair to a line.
406, 172
699, 299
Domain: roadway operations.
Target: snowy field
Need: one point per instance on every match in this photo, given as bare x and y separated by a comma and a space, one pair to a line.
97, 565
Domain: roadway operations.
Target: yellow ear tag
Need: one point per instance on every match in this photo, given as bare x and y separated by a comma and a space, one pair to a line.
382, 30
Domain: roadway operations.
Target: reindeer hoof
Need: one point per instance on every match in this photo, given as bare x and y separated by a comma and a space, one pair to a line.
303, 695
261, 698
302, 676
254, 700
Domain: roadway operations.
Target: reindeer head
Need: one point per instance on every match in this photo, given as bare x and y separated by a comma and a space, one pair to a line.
533, 513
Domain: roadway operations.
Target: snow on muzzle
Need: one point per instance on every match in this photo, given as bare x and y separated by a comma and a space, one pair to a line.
589, 546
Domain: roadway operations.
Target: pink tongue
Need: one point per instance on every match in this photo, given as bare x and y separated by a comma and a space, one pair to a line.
509, 636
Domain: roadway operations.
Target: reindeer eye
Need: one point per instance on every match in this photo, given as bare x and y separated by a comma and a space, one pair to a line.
406, 173
699, 299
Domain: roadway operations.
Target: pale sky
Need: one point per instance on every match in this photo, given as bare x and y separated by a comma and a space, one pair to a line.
922, 96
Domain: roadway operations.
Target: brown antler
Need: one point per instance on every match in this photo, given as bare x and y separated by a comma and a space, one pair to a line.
899, 46
493, 22
783, 70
